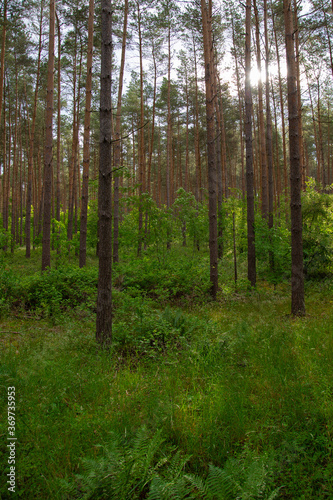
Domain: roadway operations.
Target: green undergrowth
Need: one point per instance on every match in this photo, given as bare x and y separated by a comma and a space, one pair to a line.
195, 399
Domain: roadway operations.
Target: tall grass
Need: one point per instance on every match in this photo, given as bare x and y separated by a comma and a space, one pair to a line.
237, 385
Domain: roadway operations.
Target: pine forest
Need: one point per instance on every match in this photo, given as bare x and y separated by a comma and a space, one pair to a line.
166, 249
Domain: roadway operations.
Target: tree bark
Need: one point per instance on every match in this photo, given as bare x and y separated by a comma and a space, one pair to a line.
31, 144
46, 249
251, 251
212, 170
297, 276
104, 296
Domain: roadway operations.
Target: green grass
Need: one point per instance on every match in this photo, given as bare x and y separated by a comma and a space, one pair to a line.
237, 384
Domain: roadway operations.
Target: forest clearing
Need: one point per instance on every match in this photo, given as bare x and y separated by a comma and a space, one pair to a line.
166, 249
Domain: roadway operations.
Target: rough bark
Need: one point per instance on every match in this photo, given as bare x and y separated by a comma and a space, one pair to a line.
46, 250
297, 276
104, 296
212, 170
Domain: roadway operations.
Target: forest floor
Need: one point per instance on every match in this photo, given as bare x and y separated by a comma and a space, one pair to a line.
191, 392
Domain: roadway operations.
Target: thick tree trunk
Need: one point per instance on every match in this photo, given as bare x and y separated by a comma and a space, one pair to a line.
104, 296
212, 170
46, 251
297, 277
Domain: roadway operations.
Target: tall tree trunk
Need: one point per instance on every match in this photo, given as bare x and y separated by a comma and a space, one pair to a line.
269, 145
198, 183
284, 145
262, 141
251, 251
46, 250
297, 277
32, 142
72, 167
142, 166
15, 166
86, 139
104, 296
117, 144
3, 49
240, 107
212, 171
58, 183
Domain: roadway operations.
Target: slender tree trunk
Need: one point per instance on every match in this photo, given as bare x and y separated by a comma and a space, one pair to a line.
72, 169
117, 144
251, 251
3, 49
262, 141
15, 166
240, 108
269, 142
198, 182
31, 144
86, 139
58, 183
284, 145
46, 250
297, 277
142, 166
104, 296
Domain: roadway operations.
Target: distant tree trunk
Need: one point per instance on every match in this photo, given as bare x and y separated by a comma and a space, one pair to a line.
117, 143
46, 247
240, 107
212, 170
297, 277
262, 141
104, 296
284, 146
169, 162
15, 167
86, 139
151, 144
72, 167
198, 183
251, 251
269, 141
5, 198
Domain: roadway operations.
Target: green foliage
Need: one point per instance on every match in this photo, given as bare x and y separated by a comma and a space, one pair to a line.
317, 232
146, 466
273, 244
141, 330
128, 467
177, 277
60, 289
